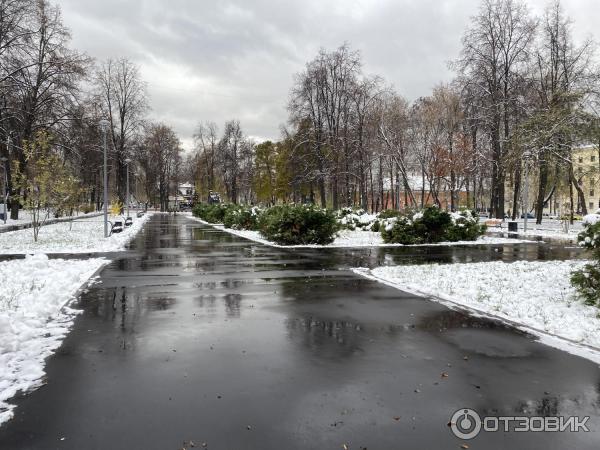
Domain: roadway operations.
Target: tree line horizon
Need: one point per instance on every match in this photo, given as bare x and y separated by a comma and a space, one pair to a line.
524, 93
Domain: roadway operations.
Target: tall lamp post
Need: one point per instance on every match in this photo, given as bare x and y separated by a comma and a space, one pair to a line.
4, 159
104, 127
526, 157
127, 161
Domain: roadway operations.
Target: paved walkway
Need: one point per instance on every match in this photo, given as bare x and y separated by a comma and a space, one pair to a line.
197, 335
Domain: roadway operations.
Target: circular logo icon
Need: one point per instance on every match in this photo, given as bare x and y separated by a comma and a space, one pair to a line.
465, 423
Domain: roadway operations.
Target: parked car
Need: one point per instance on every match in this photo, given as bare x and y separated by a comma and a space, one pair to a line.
529, 216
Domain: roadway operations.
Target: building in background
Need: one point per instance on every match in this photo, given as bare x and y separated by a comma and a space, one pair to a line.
586, 168
184, 197
586, 165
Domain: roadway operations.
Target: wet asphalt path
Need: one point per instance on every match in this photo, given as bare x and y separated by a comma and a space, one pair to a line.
198, 335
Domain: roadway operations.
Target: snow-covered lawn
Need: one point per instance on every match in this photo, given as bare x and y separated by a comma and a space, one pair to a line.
548, 229
25, 218
80, 236
535, 296
356, 239
34, 317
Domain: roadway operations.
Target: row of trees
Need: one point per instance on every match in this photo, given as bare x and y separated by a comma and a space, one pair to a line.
224, 163
54, 94
525, 93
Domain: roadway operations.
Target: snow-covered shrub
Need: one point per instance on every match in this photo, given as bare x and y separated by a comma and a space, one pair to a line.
352, 219
212, 213
298, 224
465, 227
378, 223
587, 280
399, 230
242, 217
430, 226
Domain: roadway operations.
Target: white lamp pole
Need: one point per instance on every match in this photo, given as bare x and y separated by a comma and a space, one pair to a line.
526, 157
127, 161
104, 124
4, 159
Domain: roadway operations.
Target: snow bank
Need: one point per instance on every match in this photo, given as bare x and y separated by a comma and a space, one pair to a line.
534, 296
81, 236
34, 319
359, 239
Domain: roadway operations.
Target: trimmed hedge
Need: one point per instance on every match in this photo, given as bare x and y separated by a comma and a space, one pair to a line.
298, 225
212, 213
308, 224
431, 226
241, 217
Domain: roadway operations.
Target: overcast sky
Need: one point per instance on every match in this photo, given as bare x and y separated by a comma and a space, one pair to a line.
219, 60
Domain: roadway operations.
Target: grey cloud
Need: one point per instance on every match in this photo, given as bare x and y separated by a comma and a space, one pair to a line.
216, 60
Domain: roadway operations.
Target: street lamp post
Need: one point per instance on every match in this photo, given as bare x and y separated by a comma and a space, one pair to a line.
127, 161
526, 157
4, 159
104, 127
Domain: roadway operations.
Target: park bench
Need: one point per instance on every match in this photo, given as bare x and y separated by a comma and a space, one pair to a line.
116, 227
494, 223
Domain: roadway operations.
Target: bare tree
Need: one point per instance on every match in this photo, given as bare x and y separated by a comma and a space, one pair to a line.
160, 158
496, 50
41, 75
206, 140
123, 97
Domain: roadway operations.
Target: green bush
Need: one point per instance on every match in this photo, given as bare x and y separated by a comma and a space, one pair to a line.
430, 226
212, 213
587, 283
298, 225
376, 225
241, 217
389, 213
400, 230
587, 280
465, 227
356, 218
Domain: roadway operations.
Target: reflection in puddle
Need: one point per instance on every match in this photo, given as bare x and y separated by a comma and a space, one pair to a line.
326, 339
232, 305
478, 335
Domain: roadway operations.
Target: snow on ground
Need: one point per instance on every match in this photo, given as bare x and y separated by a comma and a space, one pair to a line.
34, 319
79, 236
548, 229
25, 218
356, 239
535, 296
